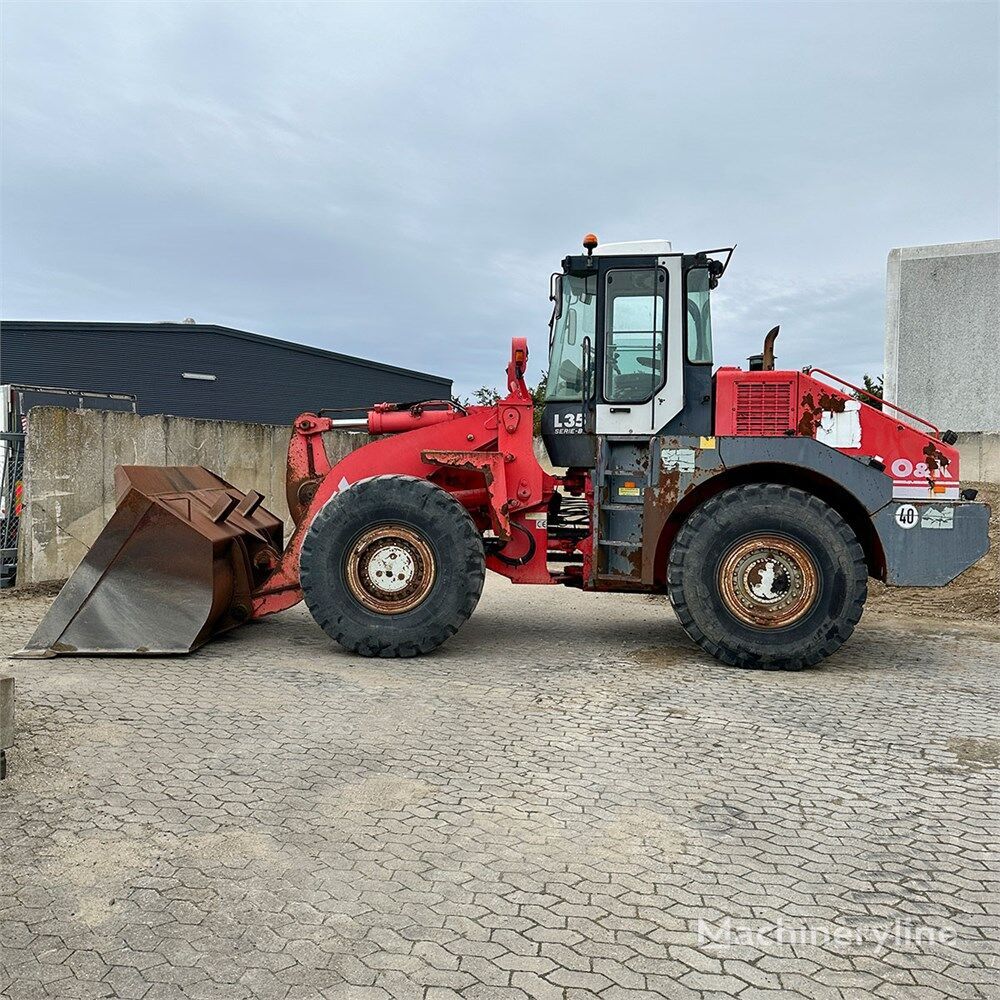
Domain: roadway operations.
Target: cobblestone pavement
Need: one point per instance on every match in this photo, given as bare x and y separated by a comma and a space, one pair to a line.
547, 807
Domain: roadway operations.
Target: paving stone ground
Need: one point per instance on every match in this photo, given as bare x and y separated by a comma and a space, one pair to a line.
567, 801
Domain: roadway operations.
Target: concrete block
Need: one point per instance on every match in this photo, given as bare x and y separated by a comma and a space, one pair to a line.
339, 444
64, 492
71, 457
245, 459
6, 721
194, 442
6, 713
129, 439
989, 458
133, 440
980, 457
942, 339
275, 496
970, 453
543, 458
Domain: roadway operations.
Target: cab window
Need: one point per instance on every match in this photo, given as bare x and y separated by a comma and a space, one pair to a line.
699, 319
572, 331
634, 334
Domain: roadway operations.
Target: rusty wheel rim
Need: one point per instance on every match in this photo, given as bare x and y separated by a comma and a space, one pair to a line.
390, 569
768, 581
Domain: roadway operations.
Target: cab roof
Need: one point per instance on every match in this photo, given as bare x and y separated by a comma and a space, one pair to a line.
633, 248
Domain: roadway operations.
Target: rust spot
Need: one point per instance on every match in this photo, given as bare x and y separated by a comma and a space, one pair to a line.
667, 492
936, 461
767, 560
835, 404
660, 502
810, 416
812, 411
299, 492
306, 491
635, 563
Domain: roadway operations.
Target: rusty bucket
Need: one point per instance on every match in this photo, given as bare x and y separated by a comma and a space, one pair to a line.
175, 565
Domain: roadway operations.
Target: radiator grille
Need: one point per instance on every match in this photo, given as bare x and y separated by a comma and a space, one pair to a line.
763, 408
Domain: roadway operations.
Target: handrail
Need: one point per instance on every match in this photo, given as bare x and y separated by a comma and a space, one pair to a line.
81, 394
871, 395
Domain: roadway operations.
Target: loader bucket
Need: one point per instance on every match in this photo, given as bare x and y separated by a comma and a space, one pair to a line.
175, 565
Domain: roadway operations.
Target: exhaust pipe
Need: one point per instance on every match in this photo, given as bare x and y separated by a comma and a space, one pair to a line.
769, 340
764, 362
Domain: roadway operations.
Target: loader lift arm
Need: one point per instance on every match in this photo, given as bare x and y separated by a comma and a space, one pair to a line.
482, 455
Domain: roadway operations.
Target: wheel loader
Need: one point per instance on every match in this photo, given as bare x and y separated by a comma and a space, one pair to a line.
760, 501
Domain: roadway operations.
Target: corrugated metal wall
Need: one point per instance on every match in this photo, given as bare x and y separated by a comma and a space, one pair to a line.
257, 379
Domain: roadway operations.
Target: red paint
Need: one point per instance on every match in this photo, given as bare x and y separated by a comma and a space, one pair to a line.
397, 421
483, 456
788, 403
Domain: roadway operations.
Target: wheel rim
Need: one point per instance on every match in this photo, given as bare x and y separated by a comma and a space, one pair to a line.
768, 581
390, 569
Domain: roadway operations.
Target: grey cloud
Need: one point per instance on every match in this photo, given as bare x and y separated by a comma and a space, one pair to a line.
398, 180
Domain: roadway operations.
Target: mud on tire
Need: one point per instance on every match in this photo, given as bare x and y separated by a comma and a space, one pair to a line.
341, 567
820, 608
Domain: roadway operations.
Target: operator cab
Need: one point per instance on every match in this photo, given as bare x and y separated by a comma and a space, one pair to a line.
630, 346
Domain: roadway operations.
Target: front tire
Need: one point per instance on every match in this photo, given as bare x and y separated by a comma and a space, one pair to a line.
392, 566
767, 577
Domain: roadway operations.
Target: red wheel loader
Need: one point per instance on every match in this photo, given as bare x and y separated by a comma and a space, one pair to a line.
759, 501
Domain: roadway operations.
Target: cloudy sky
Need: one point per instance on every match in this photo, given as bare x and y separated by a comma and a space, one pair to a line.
397, 181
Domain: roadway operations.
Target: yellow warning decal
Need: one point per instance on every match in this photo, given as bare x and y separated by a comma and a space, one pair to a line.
706, 442
629, 491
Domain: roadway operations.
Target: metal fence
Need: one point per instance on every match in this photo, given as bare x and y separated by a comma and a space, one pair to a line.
11, 500
15, 403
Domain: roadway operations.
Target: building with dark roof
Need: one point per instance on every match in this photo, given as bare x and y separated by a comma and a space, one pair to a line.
201, 370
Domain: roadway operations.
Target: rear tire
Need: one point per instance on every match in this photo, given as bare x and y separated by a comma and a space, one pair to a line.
767, 577
392, 566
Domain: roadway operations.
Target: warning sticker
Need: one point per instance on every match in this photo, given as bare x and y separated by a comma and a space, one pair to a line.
938, 517
629, 491
677, 459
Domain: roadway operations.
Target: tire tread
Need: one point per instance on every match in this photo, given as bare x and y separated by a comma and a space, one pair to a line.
701, 520
339, 626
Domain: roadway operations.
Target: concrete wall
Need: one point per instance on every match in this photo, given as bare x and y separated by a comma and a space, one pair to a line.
942, 339
980, 458
72, 454
543, 459
71, 457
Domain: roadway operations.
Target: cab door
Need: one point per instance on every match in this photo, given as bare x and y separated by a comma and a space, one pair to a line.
640, 364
